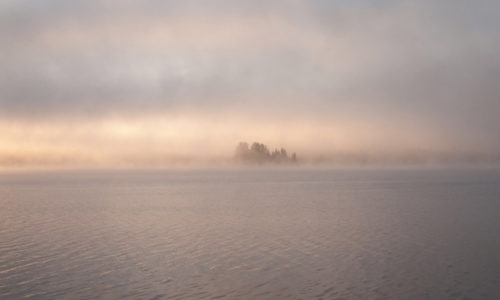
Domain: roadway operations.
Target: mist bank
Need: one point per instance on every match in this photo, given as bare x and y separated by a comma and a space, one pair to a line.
169, 140
20, 162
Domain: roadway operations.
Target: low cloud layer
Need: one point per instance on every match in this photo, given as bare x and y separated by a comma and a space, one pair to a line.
408, 75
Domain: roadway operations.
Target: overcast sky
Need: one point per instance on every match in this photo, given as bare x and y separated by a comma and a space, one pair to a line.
319, 76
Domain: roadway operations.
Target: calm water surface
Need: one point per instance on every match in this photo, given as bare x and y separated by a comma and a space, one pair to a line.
250, 234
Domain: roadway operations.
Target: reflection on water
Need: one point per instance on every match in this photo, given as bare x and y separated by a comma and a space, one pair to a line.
255, 234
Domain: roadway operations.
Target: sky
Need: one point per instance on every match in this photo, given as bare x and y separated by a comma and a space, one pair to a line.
160, 82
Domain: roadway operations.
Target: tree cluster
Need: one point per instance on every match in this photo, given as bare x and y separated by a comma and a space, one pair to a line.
259, 153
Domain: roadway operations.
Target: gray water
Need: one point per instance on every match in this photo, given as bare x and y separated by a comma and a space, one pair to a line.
251, 234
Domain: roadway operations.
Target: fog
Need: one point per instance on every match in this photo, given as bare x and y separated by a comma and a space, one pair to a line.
161, 82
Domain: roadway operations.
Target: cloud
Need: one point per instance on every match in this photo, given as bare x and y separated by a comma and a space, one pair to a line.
427, 65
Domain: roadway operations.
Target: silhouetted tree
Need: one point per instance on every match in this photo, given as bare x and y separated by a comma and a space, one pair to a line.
242, 151
259, 152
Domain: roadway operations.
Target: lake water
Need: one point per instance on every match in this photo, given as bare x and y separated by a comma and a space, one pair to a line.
251, 234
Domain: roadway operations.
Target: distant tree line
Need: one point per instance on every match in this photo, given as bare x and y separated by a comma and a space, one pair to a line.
259, 153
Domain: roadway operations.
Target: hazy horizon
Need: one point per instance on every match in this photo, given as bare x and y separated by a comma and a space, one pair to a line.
161, 83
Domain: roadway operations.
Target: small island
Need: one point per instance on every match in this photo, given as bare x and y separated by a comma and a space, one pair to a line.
259, 153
